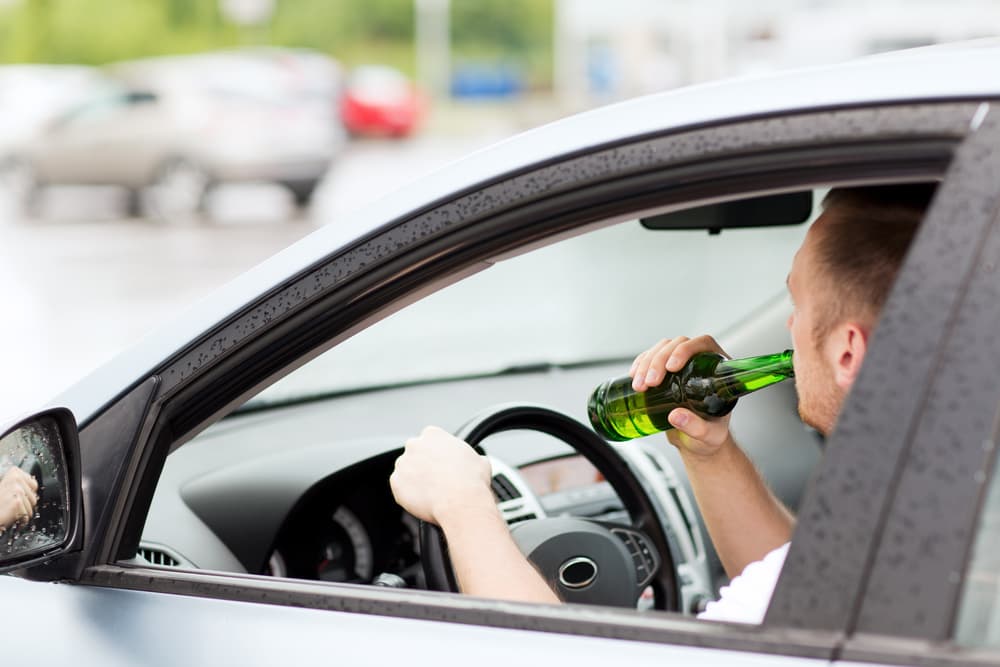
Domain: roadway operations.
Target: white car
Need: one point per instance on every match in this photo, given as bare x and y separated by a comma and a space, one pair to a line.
218, 494
31, 96
178, 125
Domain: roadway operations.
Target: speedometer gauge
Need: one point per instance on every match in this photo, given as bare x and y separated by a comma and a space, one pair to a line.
356, 562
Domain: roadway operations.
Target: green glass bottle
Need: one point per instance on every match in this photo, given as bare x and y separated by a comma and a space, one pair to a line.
708, 384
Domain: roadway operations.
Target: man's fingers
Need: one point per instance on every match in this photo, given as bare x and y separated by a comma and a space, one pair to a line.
668, 356
648, 372
658, 362
27, 509
641, 363
19, 476
689, 348
638, 371
688, 423
695, 433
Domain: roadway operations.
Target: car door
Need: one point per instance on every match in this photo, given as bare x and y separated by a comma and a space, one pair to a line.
125, 444
109, 140
931, 596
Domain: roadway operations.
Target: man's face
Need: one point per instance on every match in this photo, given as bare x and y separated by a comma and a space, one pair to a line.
819, 396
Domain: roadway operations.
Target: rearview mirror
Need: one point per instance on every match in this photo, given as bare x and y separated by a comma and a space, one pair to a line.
788, 208
39, 488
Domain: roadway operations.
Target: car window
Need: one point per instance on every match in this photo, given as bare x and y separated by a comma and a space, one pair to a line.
979, 610
96, 109
604, 295
296, 483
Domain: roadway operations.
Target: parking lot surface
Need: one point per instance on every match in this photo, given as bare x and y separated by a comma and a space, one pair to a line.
81, 281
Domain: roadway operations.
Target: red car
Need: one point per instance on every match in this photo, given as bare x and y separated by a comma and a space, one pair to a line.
380, 100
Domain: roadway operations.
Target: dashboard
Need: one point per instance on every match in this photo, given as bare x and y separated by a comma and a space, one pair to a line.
346, 527
349, 529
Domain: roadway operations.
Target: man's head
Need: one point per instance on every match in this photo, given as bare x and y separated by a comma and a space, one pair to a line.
838, 283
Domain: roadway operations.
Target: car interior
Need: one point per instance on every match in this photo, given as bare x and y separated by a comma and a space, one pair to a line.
294, 483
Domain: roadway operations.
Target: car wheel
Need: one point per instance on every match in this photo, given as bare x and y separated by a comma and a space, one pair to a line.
178, 190
18, 184
302, 191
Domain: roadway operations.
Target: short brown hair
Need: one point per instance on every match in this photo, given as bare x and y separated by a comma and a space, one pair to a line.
865, 235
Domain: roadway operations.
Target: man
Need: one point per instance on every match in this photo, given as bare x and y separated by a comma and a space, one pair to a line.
838, 282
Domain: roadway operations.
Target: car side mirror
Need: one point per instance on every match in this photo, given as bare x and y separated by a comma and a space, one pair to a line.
40, 507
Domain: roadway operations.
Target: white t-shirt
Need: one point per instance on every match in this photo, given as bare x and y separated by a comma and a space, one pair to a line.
746, 597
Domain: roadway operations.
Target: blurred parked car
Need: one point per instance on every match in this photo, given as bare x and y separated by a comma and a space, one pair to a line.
309, 74
380, 100
486, 81
30, 97
175, 126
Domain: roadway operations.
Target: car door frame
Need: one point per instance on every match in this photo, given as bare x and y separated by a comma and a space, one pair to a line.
128, 442
914, 591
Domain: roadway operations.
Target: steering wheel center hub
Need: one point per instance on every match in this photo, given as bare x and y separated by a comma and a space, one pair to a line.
582, 560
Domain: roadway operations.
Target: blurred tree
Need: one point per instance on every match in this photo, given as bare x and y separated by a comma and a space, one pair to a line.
517, 32
354, 31
182, 13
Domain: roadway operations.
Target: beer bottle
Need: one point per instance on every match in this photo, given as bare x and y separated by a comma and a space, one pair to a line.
708, 384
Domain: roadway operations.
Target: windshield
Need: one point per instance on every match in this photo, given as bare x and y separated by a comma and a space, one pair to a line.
603, 295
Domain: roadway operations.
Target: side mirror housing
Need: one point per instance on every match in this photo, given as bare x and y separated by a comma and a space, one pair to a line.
40, 494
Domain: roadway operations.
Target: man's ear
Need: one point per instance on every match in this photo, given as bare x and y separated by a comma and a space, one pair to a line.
845, 351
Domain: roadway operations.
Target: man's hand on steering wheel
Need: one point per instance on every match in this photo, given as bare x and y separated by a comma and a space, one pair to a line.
439, 474
441, 480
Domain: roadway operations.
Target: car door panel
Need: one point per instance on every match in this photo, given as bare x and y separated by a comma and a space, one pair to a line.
450, 614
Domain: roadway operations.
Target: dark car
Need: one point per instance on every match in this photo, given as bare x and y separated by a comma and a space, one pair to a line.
219, 494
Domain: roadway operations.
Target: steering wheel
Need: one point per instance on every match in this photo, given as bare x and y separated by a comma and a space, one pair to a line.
583, 560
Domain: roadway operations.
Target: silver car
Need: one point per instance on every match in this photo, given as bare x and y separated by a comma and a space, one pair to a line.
175, 126
31, 96
218, 494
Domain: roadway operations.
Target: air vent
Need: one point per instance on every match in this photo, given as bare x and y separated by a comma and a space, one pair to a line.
680, 508
503, 489
675, 496
523, 517
157, 557
656, 464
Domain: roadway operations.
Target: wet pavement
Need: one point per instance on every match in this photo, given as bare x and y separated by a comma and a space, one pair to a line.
80, 282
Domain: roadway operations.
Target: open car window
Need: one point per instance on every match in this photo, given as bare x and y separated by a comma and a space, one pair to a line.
607, 294
295, 483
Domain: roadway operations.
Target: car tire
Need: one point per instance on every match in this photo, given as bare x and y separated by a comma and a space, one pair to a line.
302, 191
19, 185
177, 191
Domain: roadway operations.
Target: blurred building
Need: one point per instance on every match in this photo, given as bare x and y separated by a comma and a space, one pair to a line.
606, 51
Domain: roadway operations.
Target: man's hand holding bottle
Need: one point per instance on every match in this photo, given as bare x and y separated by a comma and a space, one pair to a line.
691, 433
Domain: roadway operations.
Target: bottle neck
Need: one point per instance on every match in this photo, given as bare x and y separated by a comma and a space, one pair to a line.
736, 377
